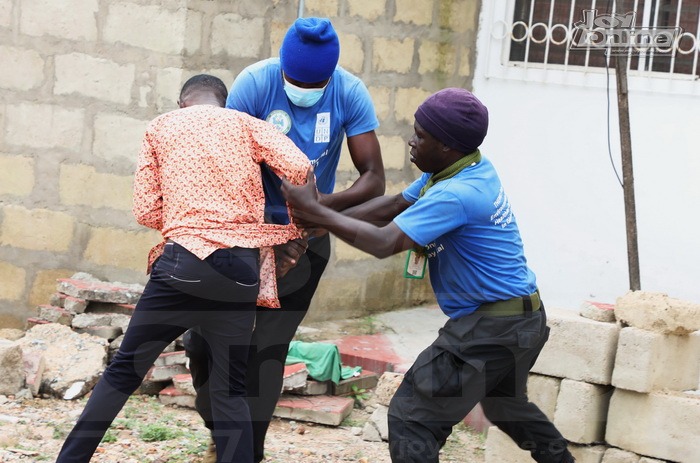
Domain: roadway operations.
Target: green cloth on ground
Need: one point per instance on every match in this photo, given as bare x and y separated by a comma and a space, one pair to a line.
321, 359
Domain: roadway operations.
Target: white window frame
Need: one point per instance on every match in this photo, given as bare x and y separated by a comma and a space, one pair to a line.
495, 38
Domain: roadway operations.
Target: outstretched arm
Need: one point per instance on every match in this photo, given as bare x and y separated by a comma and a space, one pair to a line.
308, 211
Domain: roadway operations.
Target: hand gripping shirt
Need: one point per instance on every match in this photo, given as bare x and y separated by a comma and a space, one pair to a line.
198, 182
344, 109
475, 252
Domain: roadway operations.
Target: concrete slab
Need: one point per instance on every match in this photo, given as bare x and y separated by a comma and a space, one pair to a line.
366, 380
578, 348
374, 352
329, 410
662, 425
172, 396
171, 358
165, 372
314, 388
294, 376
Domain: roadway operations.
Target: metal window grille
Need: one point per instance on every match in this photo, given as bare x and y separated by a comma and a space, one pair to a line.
542, 31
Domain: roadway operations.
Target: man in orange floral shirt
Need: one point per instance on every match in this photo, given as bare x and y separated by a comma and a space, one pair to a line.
199, 183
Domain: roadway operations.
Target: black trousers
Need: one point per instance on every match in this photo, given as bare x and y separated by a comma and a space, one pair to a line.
218, 297
274, 330
474, 359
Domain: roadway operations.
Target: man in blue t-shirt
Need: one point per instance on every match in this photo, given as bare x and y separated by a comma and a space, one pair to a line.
317, 104
456, 217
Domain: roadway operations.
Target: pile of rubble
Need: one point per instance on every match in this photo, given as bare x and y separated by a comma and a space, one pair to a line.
71, 339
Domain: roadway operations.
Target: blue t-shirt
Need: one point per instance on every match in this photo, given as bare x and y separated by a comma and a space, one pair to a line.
344, 109
475, 253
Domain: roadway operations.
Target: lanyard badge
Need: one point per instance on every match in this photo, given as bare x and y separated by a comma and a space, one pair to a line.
415, 265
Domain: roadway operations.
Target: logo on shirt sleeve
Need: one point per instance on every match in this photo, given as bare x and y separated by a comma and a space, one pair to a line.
322, 134
281, 120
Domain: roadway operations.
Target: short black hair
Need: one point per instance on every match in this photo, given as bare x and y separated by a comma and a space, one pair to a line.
207, 83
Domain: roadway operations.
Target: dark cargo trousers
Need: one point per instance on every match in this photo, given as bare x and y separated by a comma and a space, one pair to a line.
476, 358
274, 330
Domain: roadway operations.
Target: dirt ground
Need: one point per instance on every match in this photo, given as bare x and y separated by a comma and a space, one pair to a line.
33, 430
147, 431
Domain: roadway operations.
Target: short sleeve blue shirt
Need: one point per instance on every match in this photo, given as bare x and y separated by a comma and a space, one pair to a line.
344, 109
475, 252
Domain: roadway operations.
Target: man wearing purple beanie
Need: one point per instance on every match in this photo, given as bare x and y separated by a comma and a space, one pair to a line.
317, 104
458, 218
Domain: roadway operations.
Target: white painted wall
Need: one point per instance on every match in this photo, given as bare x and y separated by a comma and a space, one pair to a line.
548, 140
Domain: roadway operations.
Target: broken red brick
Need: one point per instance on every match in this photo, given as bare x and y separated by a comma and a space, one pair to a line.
55, 314
322, 409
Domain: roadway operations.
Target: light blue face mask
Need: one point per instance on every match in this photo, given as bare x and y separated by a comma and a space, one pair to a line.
303, 97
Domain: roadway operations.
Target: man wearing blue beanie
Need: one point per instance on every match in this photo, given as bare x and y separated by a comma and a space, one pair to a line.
317, 104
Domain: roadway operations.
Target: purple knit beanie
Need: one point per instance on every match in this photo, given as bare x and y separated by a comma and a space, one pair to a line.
455, 117
310, 50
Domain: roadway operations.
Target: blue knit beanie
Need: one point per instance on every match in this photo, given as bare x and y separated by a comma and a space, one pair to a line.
310, 50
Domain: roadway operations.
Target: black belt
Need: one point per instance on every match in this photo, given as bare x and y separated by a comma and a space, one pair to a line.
513, 306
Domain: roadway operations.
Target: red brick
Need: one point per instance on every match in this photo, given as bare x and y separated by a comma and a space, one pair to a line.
171, 391
183, 383
55, 314
294, 376
322, 409
598, 311
33, 321
371, 352
172, 396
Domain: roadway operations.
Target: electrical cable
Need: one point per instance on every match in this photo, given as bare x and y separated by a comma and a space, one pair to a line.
607, 91
607, 79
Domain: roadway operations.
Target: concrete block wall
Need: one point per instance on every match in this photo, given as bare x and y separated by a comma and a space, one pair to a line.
83, 77
640, 399
649, 361
578, 348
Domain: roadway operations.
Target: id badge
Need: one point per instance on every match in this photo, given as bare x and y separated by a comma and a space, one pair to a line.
415, 265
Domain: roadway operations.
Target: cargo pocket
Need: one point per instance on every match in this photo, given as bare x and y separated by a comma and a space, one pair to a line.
439, 373
528, 339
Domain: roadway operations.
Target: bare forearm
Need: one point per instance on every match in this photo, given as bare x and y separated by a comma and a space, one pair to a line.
369, 185
379, 211
380, 242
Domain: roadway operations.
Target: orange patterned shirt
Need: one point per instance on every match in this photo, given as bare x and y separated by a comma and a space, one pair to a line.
198, 182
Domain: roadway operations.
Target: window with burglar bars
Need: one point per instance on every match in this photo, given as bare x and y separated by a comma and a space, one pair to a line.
542, 32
